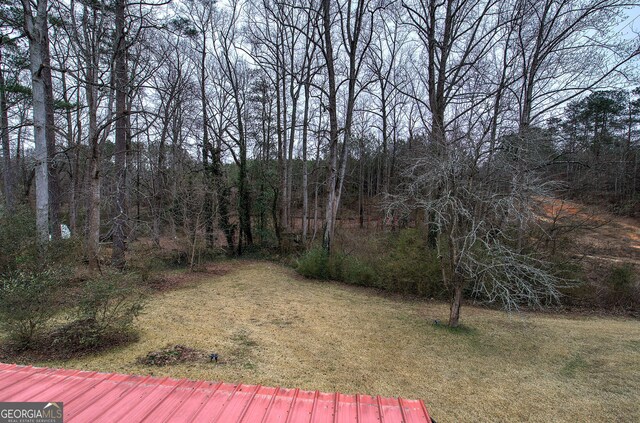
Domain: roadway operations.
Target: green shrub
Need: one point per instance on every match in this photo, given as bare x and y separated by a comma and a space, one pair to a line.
409, 266
314, 264
28, 301
49, 317
335, 266
621, 289
18, 240
110, 304
402, 264
63, 253
621, 278
358, 272
100, 314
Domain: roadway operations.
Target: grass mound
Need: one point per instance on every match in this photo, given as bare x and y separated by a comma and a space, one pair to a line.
172, 354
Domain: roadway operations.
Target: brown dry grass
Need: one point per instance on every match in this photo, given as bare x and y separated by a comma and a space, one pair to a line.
271, 327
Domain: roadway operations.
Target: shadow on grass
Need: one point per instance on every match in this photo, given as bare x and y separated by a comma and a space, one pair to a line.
71, 341
576, 364
458, 330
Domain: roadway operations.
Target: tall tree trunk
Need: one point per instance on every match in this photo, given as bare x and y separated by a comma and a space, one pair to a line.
120, 86
207, 148
75, 186
244, 203
344, 156
9, 178
93, 224
223, 193
316, 197
35, 28
294, 109
73, 175
278, 222
130, 232
95, 179
284, 184
20, 156
305, 171
158, 197
54, 185
361, 174
385, 138
332, 160
352, 38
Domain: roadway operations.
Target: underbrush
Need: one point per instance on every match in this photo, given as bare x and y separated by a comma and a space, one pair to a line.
615, 288
403, 262
20, 251
397, 262
45, 315
621, 286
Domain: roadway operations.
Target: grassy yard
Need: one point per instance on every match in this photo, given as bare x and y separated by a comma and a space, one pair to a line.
271, 327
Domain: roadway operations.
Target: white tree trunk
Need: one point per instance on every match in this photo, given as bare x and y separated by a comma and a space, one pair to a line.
35, 27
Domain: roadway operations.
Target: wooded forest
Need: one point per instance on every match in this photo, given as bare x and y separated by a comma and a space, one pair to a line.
239, 125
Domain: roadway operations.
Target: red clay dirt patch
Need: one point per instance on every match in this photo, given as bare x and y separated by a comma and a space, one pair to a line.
606, 238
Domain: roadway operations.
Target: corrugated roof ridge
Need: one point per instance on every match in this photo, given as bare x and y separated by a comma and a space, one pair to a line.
6, 373
26, 376
293, 401
205, 401
97, 382
146, 394
182, 382
268, 410
191, 392
226, 403
380, 411
54, 384
5, 366
404, 415
248, 404
425, 412
119, 398
315, 406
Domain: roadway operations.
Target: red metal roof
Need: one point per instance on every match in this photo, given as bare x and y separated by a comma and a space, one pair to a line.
111, 397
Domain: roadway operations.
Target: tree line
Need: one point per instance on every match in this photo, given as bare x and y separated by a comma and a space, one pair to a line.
245, 122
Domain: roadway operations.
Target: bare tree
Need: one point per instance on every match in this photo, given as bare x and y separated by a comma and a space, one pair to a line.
235, 73
171, 83
36, 28
564, 49
9, 177
356, 29
475, 214
120, 86
52, 160
87, 29
385, 63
